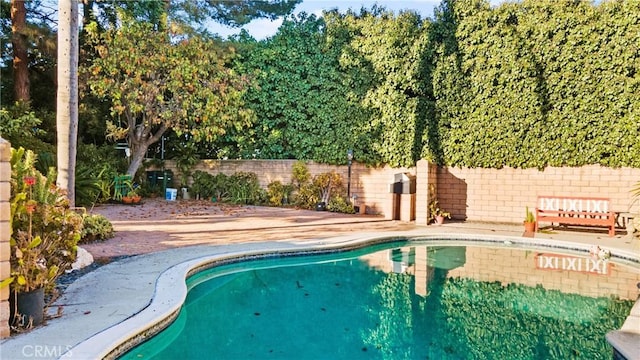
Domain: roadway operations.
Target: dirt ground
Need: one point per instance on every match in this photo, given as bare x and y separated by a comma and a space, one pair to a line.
158, 224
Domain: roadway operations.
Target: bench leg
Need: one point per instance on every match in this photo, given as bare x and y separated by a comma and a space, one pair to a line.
612, 231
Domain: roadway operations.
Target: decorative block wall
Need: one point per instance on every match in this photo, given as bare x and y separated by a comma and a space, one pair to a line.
370, 185
491, 195
5, 271
500, 195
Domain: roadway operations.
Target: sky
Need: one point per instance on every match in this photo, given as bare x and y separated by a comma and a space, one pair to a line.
262, 28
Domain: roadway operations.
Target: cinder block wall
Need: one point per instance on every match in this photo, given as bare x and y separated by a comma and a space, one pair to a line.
492, 195
370, 185
5, 270
500, 195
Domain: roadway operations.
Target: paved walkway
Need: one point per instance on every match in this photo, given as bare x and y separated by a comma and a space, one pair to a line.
170, 233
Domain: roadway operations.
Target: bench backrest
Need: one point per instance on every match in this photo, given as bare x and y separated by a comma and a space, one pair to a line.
568, 203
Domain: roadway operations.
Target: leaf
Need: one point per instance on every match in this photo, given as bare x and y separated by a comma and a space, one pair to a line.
35, 242
6, 282
53, 271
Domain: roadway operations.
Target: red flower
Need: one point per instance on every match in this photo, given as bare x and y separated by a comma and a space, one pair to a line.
30, 206
29, 180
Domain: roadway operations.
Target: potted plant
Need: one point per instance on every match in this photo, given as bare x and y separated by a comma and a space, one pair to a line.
132, 197
437, 213
529, 221
44, 232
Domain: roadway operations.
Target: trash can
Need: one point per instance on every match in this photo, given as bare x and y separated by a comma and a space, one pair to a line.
171, 194
403, 190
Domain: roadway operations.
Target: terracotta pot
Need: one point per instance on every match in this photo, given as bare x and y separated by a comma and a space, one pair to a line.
127, 199
529, 226
439, 220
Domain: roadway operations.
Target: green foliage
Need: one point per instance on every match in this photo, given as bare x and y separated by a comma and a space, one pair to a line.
158, 80
536, 84
44, 231
480, 311
435, 210
87, 187
95, 227
186, 158
300, 97
307, 196
386, 54
300, 174
18, 121
341, 205
239, 188
23, 127
96, 168
328, 184
278, 194
244, 188
529, 217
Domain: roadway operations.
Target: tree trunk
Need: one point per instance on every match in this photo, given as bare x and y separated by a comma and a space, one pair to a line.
20, 54
67, 101
137, 156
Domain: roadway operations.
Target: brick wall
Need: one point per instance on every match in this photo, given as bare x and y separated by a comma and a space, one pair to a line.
501, 195
493, 195
5, 193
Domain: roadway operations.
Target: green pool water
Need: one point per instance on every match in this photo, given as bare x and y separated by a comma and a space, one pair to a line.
396, 303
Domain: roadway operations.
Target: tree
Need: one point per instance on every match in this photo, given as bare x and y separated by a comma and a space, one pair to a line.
67, 94
158, 80
302, 98
20, 55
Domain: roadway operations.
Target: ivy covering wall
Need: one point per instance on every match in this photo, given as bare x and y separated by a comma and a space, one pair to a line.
541, 83
526, 84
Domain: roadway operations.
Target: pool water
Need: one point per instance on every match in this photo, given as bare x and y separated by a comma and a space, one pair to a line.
399, 303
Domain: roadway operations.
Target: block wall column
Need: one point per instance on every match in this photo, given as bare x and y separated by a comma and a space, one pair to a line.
425, 177
5, 251
422, 192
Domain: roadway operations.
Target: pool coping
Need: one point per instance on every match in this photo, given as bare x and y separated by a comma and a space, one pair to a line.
165, 305
103, 310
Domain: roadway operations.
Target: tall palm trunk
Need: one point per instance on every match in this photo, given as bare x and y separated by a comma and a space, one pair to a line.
20, 54
67, 101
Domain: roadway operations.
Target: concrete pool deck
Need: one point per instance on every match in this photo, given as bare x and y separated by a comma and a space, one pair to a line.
114, 293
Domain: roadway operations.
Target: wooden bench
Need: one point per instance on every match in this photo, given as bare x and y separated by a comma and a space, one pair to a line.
575, 211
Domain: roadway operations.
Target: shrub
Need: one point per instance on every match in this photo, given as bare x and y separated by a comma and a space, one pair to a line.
95, 227
44, 230
244, 188
307, 196
300, 174
275, 193
328, 184
211, 186
341, 205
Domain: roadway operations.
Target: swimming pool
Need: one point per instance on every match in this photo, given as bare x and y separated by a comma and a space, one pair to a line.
402, 300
